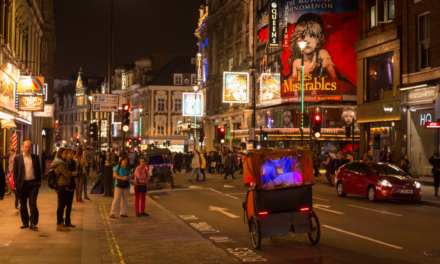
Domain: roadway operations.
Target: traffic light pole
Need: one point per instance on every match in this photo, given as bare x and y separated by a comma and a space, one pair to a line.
311, 140
123, 144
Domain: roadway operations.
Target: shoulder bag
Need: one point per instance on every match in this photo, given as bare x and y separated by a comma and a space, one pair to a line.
122, 183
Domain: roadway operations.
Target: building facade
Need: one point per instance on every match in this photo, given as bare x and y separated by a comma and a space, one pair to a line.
379, 78
420, 82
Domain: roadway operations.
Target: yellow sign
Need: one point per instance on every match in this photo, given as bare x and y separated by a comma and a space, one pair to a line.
30, 84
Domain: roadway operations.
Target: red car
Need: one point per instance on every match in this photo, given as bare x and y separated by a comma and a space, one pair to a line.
376, 180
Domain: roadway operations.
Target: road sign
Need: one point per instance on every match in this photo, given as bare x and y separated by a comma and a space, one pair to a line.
435, 125
105, 103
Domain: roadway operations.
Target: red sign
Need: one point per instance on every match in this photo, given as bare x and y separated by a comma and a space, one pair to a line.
435, 125
319, 98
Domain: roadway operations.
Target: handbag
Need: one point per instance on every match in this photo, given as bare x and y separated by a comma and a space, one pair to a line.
122, 183
142, 188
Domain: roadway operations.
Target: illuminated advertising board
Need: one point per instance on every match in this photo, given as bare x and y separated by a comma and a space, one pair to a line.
48, 111
32, 103
192, 104
273, 23
270, 90
30, 85
235, 87
330, 30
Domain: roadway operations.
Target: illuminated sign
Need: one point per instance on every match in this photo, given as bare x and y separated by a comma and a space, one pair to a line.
48, 111
235, 87
124, 80
297, 99
330, 29
388, 109
432, 125
30, 85
192, 104
273, 24
199, 68
425, 118
33, 103
45, 92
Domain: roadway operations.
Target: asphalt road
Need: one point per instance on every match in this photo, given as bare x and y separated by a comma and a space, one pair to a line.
353, 230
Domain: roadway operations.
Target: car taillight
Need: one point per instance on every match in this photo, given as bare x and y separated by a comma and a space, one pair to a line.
304, 209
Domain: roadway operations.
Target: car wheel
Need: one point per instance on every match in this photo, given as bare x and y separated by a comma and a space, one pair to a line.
340, 189
372, 194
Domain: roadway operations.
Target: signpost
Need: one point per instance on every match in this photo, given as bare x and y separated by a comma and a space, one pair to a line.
105, 103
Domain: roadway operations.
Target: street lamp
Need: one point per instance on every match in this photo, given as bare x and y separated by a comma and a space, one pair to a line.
302, 45
91, 115
221, 144
196, 87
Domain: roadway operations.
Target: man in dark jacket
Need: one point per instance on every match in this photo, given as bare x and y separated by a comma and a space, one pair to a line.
435, 162
2, 183
27, 181
229, 165
328, 168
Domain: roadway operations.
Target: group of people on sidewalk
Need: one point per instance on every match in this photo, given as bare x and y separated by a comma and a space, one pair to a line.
199, 163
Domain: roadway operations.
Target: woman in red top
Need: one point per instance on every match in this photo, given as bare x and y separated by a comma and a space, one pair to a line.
142, 176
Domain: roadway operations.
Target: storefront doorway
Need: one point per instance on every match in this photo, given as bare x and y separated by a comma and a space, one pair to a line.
422, 141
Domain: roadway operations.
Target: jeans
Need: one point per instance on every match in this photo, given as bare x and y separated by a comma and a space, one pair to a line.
63, 198
79, 186
203, 172
120, 194
139, 197
29, 190
69, 206
198, 173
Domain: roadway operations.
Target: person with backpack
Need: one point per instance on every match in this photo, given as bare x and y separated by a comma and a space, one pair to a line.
63, 174
329, 168
123, 175
195, 165
141, 178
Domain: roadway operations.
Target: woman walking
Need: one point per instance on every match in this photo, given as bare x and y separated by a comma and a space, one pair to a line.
62, 171
72, 186
142, 176
123, 175
81, 163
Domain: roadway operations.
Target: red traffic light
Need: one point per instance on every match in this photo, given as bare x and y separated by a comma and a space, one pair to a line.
139, 139
56, 123
77, 137
125, 107
129, 140
222, 129
317, 117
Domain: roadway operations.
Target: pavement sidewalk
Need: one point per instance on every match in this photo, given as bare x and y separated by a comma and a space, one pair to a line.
159, 238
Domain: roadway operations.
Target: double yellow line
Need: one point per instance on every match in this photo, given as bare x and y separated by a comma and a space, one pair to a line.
110, 235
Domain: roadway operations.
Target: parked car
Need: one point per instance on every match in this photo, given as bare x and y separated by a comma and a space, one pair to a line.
377, 181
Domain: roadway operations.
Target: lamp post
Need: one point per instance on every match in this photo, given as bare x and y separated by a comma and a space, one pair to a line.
140, 126
196, 87
91, 116
221, 145
302, 45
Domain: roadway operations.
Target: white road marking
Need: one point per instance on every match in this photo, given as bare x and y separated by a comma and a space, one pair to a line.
373, 210
325, 208
320, 199
188, 217
228, 186
222, 210
366, 238
194, 187
231, 196
214, 190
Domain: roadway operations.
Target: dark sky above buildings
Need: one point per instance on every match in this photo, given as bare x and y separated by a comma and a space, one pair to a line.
140, 27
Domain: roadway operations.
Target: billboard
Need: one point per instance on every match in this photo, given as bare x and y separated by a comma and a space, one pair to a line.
235, 87
192, 104
30, 85
31, 103
48, 111
270, 89
330, 30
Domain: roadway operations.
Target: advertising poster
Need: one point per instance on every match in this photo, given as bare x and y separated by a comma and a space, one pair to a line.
330, 30
192, 104
7, 92
48, 111
31, 103
30, 85
270, 87
235, 87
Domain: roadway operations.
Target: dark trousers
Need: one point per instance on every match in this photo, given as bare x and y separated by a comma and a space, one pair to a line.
229, 170
329, 178
63, 198
316, 168
203, 172
436, 183
69, 207
29, 190
88, 168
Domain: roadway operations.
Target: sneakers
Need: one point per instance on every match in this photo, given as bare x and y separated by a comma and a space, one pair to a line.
62, 227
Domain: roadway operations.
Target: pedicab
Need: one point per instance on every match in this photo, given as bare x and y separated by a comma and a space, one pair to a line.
279, 199
159, 162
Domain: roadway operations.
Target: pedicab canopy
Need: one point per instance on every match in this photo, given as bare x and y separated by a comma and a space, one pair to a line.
278, 168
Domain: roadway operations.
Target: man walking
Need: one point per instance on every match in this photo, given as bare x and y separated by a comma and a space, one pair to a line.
195, 165
229, 165
27, 179
89, 159
328, 168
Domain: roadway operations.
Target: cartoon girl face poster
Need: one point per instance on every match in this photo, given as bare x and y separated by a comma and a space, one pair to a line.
235, 87
329, 30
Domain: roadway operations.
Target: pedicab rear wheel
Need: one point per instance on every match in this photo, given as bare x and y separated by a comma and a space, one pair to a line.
315, 235
255, 233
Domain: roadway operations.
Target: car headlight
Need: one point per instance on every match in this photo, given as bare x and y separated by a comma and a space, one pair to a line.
417, 184
385, 183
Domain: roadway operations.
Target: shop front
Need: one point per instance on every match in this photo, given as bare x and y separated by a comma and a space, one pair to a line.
419, 106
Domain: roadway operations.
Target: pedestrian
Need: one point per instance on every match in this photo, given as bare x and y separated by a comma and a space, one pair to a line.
27, 181
63, 174
387, 157
435, 162
316, 164
10, 178
79, 180
71, 163
195, 166
405, 164
8, 169
142, 176
102, 159
328, 168
369, 155
86, 176
123, 175
339, 155
349, 156
229, 165
365, 157
89, 159
132, 158
203, 165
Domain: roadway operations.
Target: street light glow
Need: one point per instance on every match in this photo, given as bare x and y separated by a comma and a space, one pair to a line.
196, 87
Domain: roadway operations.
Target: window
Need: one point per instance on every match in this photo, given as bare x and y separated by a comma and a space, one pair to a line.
424, 41
221, 69
161, 105
80, 100
178, 105
381, 11
160, 130
177, 79
380, 78
231, 63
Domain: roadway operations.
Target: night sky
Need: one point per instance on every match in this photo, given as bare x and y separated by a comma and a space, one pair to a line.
140, 27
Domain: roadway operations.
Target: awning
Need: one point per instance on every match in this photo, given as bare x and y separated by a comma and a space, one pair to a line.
8, 124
